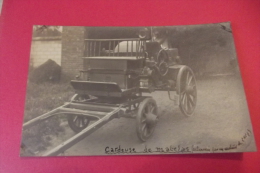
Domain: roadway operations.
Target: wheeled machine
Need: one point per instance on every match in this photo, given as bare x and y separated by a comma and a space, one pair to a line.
115, 74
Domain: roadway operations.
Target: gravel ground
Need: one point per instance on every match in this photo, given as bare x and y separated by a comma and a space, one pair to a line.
221, 123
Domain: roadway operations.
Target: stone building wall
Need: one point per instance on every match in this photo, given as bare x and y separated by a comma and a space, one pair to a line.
43, 49
72, 51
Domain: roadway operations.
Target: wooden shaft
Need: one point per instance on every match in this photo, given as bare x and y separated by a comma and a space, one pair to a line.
81, 135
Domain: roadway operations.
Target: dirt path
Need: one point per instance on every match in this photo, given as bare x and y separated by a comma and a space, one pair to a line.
220, 121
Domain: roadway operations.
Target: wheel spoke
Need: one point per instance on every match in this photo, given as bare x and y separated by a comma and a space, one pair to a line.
184, 99
193, 89
190, 80
181, 98
75, 118
143, 119
191, 101
187, 78
152, 110
151, 107
85, 121
145, 131
189, 107
77, 121
186, 102
80, 121
143, 127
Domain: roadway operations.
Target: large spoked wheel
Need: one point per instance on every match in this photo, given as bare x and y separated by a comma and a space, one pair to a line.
78, 122
146, 119
186, 88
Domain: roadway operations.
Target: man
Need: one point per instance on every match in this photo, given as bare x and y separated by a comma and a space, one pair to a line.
162, 36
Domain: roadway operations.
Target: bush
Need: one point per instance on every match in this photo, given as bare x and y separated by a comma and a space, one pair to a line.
48, 71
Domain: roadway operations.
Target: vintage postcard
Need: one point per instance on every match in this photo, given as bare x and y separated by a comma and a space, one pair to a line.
134, 91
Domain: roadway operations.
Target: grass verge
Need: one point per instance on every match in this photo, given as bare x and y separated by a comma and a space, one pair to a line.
41, 98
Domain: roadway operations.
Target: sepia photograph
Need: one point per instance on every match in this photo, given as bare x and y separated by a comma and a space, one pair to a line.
134, 91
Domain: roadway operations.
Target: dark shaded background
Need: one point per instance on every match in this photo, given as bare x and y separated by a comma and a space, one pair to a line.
16, 21
208, 49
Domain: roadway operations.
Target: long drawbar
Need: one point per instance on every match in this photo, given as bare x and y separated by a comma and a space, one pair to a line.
102, 114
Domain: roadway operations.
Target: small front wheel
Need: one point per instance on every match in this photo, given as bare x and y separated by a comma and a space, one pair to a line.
79, 98
146, 119
78, 122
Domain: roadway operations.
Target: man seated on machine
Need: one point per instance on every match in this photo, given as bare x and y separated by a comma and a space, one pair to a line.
162, 36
